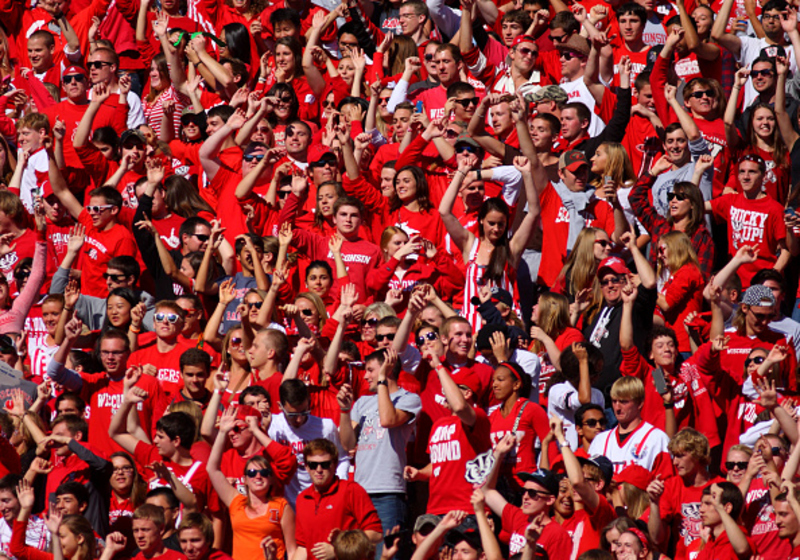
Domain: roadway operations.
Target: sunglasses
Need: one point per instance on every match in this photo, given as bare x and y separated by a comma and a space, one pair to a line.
285, 99
76, 77
535, 494
761, 317
566, 55
307, 312
370, 322
758, 360
382, 337
253, 157
7, 350
526, 51
558, 38
98, 64
594, 422
172, 318
776, 450
96, 209
238, 429
603, 243
679, 196
201, 237
383, 100
736, 465
428, 336
297, 414
757, 73
252, 473
114, 277
314, 465
429, 57
328, 104
699, 94
467, 102
466, 150
323, 163
450, 133
284, 194
258, 304
236, 341
615, 281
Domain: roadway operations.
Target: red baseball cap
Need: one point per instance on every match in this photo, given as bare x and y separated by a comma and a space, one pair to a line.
612, 264
470, 380
74, 70
47, 188
317, 151
639, 476
523, 39
243, 411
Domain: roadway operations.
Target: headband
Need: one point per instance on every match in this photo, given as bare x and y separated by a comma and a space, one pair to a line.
639, 535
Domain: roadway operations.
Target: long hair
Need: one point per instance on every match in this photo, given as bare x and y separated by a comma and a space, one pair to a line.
278, 90
262, 463
387, 235
79, 526
226, 359
423, 193
160, 60
139, 488
775, 141
637, 501
297, 50
697, 212
400, 49
318, 304
256, 6
5, 62
681, 252
183, 198
581, 267
319, 219
501, 254
11, 161
618, 165
237, 38
125, 293
553, 317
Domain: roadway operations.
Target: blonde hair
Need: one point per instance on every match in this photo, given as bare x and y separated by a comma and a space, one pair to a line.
318, 304
553, 317
690, 441
637, 501
193, 410
581, 266
628, 389
618, 165
380, 309
353, 545
681, 251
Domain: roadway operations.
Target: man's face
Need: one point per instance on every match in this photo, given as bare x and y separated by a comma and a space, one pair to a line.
40, 55
68, 406
401, 119
542, 501
115, 278
463, 551
446, 67
459, 340
685, 463
750, 176
324, 170
169, 512
68, 504
385, 336
297, 139
61, 431
167, 323
192, 316
321, 469
101, 69
285, 29
542, 135
30, 139
410, 22
250, 161
241, 436
501, 118
198, 240
347, 220
785, 519
510, 30
771, 22
194, 379
675, 146
701, 100
429, 62
146, 535
708, 513
465, 106
74, 86
594, 422
257, 353
296, 416
663, 351
473, 194
53, 209
523, 57
645, 97
626, 410
114, 356
193, 543
101, 212
572, 64
135, 148
9, 506
759, 317
371, 370
763, 76
777, 292
213, 124
347, 42
575, 180
571, 124
259, 402
631, 27
166, 446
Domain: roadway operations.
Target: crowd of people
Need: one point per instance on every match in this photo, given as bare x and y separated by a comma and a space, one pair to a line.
440, 279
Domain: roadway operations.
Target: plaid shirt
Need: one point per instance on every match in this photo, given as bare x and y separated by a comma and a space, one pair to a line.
657, 225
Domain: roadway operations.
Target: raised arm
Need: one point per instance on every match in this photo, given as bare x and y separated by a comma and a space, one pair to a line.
728, 41
462, 237
788, 132
220, 482
526, 228
687, 122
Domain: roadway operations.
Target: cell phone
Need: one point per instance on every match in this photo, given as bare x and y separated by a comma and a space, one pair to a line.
659, 381
388, 540
419, 107
790, 212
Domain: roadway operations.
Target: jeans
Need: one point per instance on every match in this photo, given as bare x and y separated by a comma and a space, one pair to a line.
391, 510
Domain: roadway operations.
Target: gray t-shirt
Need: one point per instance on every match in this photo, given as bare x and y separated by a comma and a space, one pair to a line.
381, 452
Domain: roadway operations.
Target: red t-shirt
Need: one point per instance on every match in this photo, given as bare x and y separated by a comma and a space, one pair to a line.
759, 518
168, 363
450, 446
680, 506
684, 294
168, 554
99, 248
554, 540
532, 424
751, 222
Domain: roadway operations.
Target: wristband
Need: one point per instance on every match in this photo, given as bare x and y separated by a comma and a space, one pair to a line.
134, 329
564, 443
344, 410
383, 382
68, 308
669, 406
478, 174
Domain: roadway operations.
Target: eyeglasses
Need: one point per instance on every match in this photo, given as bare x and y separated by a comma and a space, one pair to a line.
201, 237
328, 104
699, 94
116, 278
314, 465
303, 414
567, 55
125, 469
256, 304
603, 243
776, 450
558, 38
757, 73
758, 360
172, 318
466, 149
96, 209
238, 429
428, 336
253, 157
615, 281
535, 494
284, 194
252, 473
285, 99
526, 51
594, 422
98, 64
736, 465
673, 195
467, 102
370, 322
768, 17
236, 341
382, 337
70, 77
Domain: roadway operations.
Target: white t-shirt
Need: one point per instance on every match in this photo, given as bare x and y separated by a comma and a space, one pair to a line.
36, 536
643, 447
314, 428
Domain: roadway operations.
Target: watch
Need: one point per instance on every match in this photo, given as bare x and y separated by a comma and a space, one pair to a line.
383, 382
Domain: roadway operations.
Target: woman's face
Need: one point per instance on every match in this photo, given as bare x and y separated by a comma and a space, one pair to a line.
736, 474
106, 149
236, 347
326, 197
119, 311
284, 59
368, 328
494, 226
387, 181
186, 268
703, 20
433, 346
565, 505
328, 106
405, 186
308, 312
663, 253
629, 545
122, 476
318, 281
602, 245
253, 302
535, 314
224, 52
155, 77
680, 206
599, 160
51, 312
347, 70
503, 384
383, 104
258, 484
756, 356
69, 542
3, 155
612, 536
764, 123
283, 109
398, 240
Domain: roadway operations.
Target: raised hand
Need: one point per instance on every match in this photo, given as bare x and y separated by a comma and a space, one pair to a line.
7, 244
